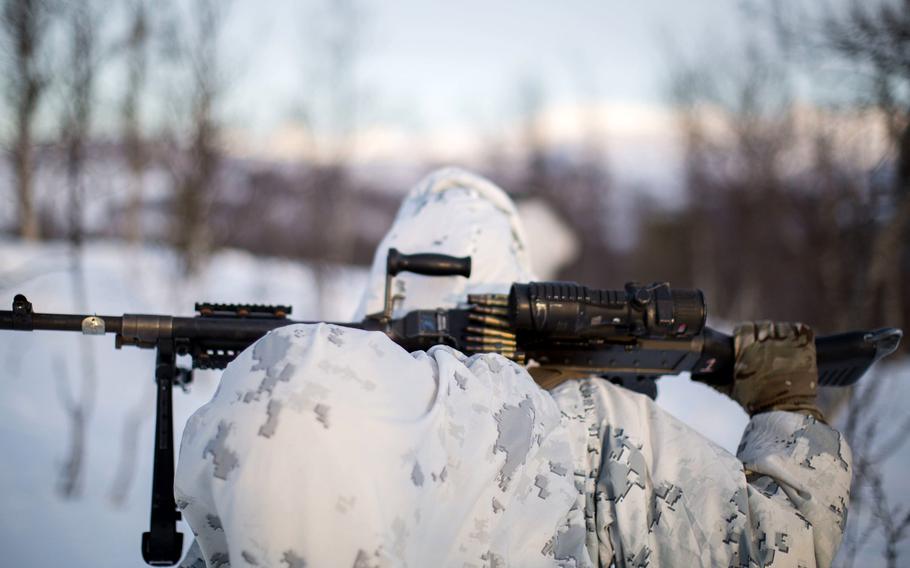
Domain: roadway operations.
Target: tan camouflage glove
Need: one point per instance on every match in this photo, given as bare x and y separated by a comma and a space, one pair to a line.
775, 368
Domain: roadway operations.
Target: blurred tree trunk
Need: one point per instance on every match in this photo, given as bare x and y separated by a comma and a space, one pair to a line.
874, 39
76, 120
737, 128
79, 80
703, 254
25, 27
331, 107
889, 272
195, 184
878, 37
578, 190
130, 115
536, 175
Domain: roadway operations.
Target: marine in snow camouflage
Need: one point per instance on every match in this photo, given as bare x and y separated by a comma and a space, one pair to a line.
327, 446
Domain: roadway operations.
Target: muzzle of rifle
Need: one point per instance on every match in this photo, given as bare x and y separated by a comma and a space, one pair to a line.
566, 310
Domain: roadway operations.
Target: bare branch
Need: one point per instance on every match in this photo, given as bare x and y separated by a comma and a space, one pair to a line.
24, 25
136, 46
195, 181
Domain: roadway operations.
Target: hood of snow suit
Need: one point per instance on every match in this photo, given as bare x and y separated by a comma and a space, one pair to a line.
454, 212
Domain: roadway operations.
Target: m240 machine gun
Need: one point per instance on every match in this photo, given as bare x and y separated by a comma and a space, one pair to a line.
560, 329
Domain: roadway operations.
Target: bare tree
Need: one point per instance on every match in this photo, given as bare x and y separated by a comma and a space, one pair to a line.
770, 196
331, 105
875, 38
138, 414
136, 45
876, 432
878, 37
25, 26
822, 227
536, 169
577, 188
78, 96
871, 40
196, 174
70, 479
687, 92
79, 78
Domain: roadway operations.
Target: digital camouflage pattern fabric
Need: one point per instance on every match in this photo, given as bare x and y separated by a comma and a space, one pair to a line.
327, 446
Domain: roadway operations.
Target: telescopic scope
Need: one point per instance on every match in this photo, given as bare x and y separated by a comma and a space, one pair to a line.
567, 310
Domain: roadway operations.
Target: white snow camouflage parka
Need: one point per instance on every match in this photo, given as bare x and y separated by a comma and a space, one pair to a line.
329, 446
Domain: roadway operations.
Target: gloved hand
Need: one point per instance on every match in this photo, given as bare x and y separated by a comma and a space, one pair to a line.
775, 368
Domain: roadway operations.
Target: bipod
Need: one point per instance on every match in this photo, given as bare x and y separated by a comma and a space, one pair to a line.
162, 545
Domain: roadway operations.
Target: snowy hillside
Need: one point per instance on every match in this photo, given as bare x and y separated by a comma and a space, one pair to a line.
41, 371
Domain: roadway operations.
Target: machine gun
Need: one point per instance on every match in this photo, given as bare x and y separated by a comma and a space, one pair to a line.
561, 329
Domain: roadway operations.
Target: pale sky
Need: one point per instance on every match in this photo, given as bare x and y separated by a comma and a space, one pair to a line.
434, 64
438, 79
441, 82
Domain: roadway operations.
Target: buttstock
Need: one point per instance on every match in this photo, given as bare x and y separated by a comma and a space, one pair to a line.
842, 358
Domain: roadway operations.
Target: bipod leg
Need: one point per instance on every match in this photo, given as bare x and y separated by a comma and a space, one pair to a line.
162, 545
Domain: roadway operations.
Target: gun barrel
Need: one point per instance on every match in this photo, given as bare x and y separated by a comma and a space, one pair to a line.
213, 339
55, 322
245, 330
142, 329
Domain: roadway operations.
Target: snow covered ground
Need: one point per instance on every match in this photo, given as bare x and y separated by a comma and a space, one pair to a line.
37, 527
41, 370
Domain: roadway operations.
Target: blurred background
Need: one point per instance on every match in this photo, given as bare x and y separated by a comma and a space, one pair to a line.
160, 153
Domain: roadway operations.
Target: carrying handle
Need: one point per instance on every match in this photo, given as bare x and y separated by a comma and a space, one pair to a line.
428, 264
